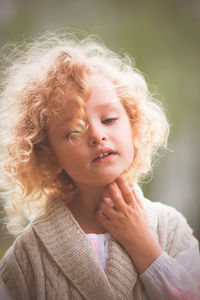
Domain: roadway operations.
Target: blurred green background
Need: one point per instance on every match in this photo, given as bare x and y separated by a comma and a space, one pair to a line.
164, 38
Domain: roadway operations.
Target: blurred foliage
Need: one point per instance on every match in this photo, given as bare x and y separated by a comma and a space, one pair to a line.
164, 38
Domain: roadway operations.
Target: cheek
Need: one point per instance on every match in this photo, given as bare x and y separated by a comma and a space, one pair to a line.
72, 156
130, 143
130, 151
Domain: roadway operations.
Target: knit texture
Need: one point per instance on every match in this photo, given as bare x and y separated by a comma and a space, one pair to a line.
53, 259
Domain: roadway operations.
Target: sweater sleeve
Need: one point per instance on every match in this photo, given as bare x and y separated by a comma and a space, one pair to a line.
174, 278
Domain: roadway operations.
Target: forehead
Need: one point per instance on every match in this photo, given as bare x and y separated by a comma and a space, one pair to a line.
102, 93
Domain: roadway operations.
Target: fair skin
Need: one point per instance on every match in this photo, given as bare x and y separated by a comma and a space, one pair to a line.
104, 202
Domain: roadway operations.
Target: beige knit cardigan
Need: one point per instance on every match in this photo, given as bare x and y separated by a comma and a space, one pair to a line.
53, 259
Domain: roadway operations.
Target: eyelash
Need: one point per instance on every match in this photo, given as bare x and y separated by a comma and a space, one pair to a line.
109, 120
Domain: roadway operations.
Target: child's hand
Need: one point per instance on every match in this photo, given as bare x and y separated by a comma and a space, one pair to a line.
122, 213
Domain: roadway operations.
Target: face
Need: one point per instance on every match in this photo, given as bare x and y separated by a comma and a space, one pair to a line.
106, 148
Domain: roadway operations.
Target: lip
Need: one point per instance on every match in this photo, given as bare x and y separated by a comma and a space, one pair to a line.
101, 151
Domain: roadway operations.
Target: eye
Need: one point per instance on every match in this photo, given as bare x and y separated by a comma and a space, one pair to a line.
109, 120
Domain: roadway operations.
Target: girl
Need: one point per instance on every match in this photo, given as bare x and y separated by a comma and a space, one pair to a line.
79, 130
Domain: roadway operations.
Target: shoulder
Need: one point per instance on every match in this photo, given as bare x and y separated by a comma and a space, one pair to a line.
169, 216
19, 243
164, 213
23, 243
162, 217
17, 253
158, 211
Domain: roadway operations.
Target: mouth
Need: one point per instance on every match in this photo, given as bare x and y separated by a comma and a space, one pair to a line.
104, 156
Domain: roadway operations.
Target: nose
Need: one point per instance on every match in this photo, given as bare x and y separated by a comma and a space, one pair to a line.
96, 136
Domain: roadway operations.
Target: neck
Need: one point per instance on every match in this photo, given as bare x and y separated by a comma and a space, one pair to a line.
84, 207
87, 200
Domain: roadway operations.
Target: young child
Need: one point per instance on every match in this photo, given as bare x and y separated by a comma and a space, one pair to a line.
79, 130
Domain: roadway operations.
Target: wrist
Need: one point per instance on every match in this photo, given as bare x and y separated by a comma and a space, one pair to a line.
144, 253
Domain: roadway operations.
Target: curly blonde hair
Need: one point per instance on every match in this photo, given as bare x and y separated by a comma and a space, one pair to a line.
35, 86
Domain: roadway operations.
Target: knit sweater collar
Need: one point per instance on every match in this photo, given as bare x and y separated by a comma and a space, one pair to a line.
69, 247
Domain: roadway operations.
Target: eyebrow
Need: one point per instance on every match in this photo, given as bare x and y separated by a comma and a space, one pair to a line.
109, 104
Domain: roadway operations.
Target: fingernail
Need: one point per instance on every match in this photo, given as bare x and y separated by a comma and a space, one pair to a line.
100, 213
108, 201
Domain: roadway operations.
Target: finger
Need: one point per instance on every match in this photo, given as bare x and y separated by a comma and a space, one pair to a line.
108, 201
103, 219
114, 193
107, 211
137, 199
125, 191
101, 214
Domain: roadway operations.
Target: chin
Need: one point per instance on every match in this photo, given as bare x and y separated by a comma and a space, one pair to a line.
105, 180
